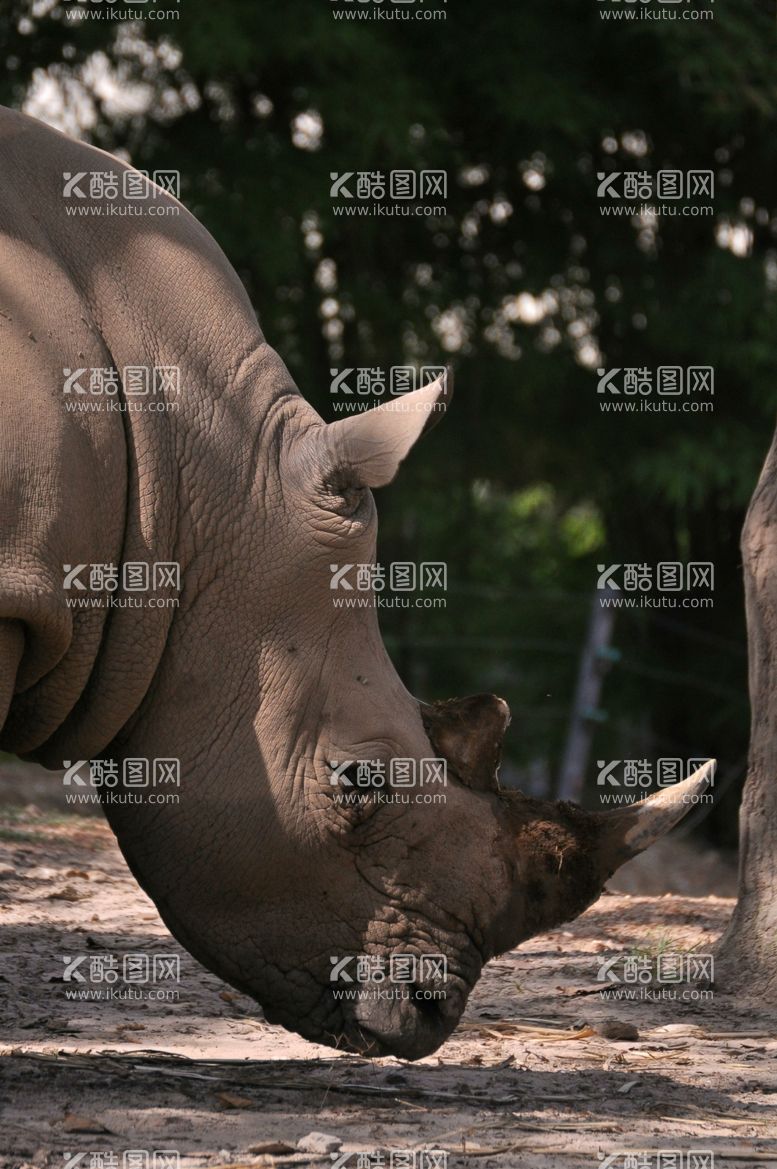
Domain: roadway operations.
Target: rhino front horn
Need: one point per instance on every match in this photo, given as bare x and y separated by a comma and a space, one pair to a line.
627, 831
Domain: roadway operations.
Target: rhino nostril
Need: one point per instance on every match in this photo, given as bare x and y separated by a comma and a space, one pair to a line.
427, 1004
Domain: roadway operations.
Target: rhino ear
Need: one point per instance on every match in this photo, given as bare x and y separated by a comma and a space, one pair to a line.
468, 732
374, 443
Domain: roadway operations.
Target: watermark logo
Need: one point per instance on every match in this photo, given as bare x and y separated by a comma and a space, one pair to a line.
134, 780
388, 978
137, 578
356, 388
120, 193
392, 1159
403, 577
96, 389
666, 578
377, 10
685, 10
624, 781
669, 389
107, 977
624, 192
80, 10
388, 193
128, 1159
657, 1159
389, 782
657, 977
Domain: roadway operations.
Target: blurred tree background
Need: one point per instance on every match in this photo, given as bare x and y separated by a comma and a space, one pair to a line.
523, 285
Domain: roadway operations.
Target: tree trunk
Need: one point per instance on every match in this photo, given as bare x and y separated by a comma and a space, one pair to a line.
747, 955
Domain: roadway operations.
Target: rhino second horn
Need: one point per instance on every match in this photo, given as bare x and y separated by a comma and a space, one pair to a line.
628, 831
468, 733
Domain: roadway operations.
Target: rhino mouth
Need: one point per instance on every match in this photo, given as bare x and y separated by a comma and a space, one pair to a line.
408, 1022
398, 1009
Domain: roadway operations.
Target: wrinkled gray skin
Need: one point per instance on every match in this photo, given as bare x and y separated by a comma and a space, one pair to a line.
256, 681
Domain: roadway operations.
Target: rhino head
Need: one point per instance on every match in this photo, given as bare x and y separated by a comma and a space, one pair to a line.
266, 872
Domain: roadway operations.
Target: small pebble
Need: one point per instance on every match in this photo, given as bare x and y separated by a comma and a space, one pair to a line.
615, 1029
319, 1142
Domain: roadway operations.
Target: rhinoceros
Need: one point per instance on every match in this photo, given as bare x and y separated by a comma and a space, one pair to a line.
247, 674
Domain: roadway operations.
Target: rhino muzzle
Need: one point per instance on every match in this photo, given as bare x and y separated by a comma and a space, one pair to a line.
558, 855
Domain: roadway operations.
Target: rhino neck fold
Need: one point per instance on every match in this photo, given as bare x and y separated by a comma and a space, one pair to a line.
163, 467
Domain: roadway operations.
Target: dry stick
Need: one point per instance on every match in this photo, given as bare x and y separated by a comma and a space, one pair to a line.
468, 1151
502, 1027
527, 1022
518, 1148
717, 1119
421, 1094
507, 1027
154, 1068
737, 1035
290, 1159
465, 1131
520, 1122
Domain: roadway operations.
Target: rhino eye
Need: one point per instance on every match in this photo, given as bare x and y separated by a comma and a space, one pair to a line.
356, 793
344, 494
350, 499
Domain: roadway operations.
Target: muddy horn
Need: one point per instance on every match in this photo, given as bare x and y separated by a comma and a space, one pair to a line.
468, 732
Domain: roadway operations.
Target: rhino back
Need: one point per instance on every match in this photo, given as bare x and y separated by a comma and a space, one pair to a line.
97, 292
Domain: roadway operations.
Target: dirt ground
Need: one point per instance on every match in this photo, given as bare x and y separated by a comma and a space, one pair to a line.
526, 1081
